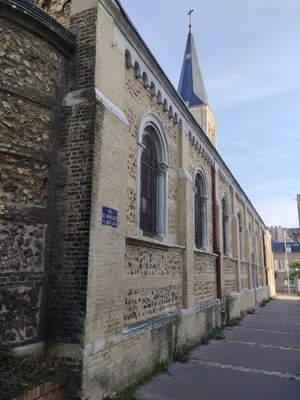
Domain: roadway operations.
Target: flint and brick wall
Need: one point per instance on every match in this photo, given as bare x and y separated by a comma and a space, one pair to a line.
245, 284
230, 275
33, 76
205, 279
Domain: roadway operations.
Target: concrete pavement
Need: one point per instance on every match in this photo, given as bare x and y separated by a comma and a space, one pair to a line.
259, 359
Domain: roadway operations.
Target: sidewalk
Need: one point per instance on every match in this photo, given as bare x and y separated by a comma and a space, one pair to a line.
259, 359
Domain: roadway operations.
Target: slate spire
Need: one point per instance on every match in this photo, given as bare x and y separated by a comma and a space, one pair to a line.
191, 87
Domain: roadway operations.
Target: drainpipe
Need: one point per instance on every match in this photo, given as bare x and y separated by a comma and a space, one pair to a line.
216, 243
265, 259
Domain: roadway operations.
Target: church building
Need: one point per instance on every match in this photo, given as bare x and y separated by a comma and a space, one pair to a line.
118, 216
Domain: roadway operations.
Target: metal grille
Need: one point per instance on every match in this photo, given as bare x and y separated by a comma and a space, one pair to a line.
148, 187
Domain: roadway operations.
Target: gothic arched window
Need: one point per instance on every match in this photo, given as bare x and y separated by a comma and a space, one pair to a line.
241, 235
200, 212
225, 226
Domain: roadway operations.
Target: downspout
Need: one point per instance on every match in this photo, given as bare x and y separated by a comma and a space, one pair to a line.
216, 245
265, 260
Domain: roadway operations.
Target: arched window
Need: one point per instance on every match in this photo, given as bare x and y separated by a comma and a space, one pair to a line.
241, 235
200, 212
225, 226
148, 186
152, 177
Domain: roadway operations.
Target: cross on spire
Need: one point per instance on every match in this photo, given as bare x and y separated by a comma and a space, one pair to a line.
190, 15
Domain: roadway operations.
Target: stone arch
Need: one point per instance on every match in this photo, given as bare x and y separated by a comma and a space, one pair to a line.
128, 59
151, 125
159, 98
145, 80
241, 234
200, 214
152, 89
165, 105
137, 70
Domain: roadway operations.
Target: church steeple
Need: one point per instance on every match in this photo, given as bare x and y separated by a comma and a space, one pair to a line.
191, 86
192, 90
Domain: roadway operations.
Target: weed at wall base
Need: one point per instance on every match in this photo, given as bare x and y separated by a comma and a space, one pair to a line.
264, 302
130, 392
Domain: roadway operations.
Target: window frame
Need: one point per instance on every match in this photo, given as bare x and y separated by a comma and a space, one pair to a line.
151, 199
151, 125
201, 218
225, 226
241, 235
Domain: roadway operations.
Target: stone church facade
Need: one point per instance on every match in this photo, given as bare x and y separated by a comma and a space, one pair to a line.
117, 211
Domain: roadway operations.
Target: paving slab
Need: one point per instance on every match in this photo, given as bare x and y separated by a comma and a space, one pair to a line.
196, 382
243, 355
274, 326
283, 305
263, 337
274, 313
273, 318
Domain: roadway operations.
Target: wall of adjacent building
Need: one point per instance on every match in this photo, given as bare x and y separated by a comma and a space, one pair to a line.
281, 275
33, 79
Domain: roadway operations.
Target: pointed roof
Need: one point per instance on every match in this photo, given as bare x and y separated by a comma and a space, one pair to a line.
191, 86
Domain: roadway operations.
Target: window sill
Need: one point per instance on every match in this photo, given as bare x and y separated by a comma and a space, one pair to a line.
229, 257
146, 241
205, 251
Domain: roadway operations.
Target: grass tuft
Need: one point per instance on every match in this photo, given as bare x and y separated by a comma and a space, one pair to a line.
19, 374
264, 302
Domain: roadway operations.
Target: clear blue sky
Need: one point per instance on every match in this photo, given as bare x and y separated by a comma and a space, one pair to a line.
250, 59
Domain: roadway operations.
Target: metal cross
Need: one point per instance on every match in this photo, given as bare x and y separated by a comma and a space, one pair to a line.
190, 14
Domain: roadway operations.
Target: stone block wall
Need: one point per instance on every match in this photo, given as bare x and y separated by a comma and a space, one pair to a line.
32, 82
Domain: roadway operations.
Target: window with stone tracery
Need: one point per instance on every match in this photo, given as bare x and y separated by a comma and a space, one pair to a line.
200, 212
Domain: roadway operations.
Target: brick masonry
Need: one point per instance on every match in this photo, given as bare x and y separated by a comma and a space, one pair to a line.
66, 305
46, 391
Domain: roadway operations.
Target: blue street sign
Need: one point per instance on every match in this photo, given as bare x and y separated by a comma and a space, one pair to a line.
109, 217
